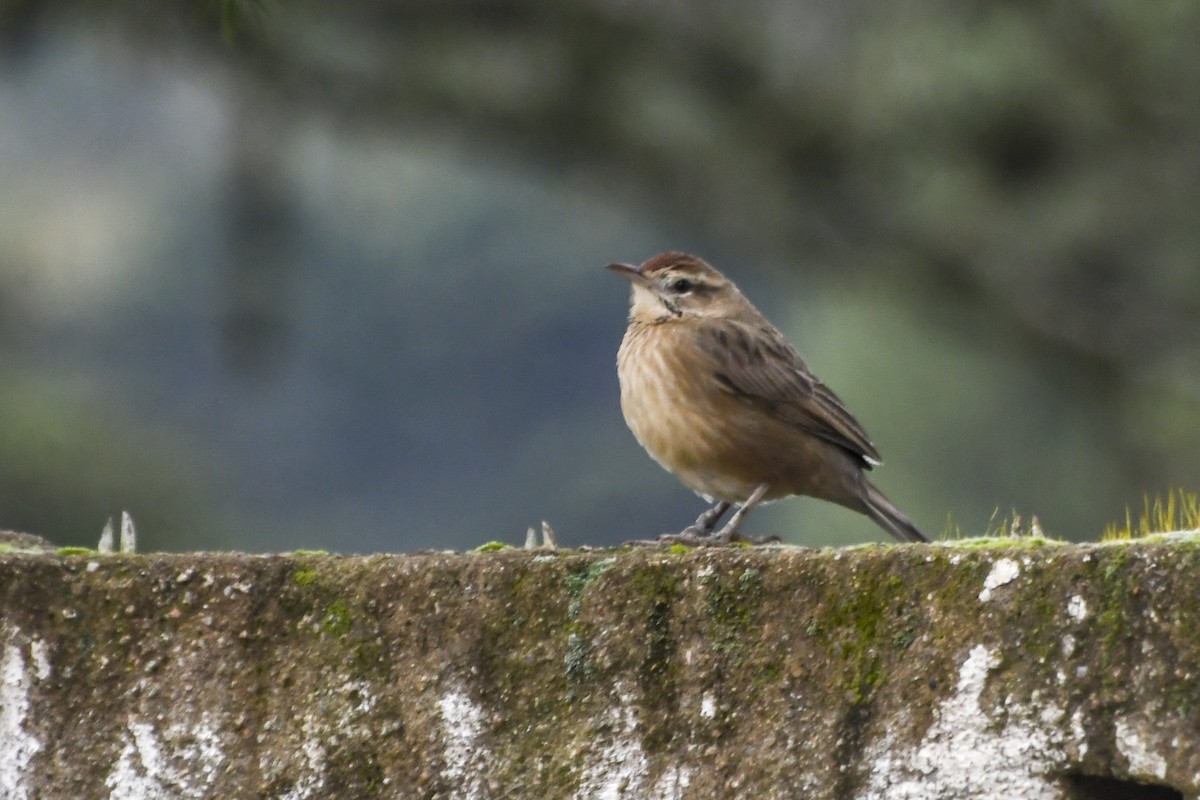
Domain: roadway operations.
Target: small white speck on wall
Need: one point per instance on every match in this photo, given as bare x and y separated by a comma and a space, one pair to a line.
1077, 608
708, 706
1078, 734
41, 658
19, 746
1068, 646
1003, 572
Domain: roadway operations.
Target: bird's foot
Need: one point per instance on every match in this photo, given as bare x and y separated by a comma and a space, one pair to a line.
694, 531
688, 536
720, 537
692, 537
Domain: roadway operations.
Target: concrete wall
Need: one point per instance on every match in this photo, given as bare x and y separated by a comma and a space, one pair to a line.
1011, 669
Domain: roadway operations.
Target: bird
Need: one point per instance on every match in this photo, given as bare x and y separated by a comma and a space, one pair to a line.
720, 398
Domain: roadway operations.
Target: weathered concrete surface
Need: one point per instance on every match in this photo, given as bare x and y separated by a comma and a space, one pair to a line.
887, 672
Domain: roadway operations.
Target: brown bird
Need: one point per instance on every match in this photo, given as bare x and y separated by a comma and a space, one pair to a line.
718, 396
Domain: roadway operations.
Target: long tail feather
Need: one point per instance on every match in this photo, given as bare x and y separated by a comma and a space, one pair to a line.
890, 518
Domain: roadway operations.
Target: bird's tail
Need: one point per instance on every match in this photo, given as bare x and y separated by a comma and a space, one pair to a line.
890, 518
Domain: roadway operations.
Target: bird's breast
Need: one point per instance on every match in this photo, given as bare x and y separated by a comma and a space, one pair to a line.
679, 413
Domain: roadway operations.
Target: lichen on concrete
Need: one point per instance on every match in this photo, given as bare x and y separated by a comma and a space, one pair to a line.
883, 672
466, 755
20, 746
968, 752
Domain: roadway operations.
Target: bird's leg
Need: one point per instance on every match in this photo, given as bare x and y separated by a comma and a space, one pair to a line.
698, 533
730, 532
708, 520
699, 536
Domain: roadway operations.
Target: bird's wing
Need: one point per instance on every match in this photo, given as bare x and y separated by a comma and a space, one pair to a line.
759, 366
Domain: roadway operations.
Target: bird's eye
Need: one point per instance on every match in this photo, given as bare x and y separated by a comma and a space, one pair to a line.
681, 285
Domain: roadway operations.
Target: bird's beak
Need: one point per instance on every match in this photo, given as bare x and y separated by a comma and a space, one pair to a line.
628, 271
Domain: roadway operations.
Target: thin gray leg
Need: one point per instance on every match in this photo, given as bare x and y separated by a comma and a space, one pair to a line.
730, 530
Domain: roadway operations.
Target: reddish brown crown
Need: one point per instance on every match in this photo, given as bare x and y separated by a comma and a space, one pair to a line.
674, 260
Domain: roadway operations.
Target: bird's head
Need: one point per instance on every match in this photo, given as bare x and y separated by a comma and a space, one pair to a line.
672, 286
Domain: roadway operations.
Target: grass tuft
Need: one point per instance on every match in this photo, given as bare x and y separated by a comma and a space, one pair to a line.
1178, 511
1009, 526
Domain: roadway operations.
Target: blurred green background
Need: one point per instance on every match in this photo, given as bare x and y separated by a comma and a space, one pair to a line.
325, 275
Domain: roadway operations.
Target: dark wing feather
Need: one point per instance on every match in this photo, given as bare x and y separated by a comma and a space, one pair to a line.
760, 367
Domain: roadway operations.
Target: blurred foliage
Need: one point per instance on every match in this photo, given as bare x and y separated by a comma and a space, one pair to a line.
234, 15
349, 257
68, 465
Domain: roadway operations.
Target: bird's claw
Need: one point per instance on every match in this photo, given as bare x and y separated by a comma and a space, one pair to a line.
692, 537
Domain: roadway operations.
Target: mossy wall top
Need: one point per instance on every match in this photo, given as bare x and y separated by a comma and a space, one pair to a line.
884, 672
